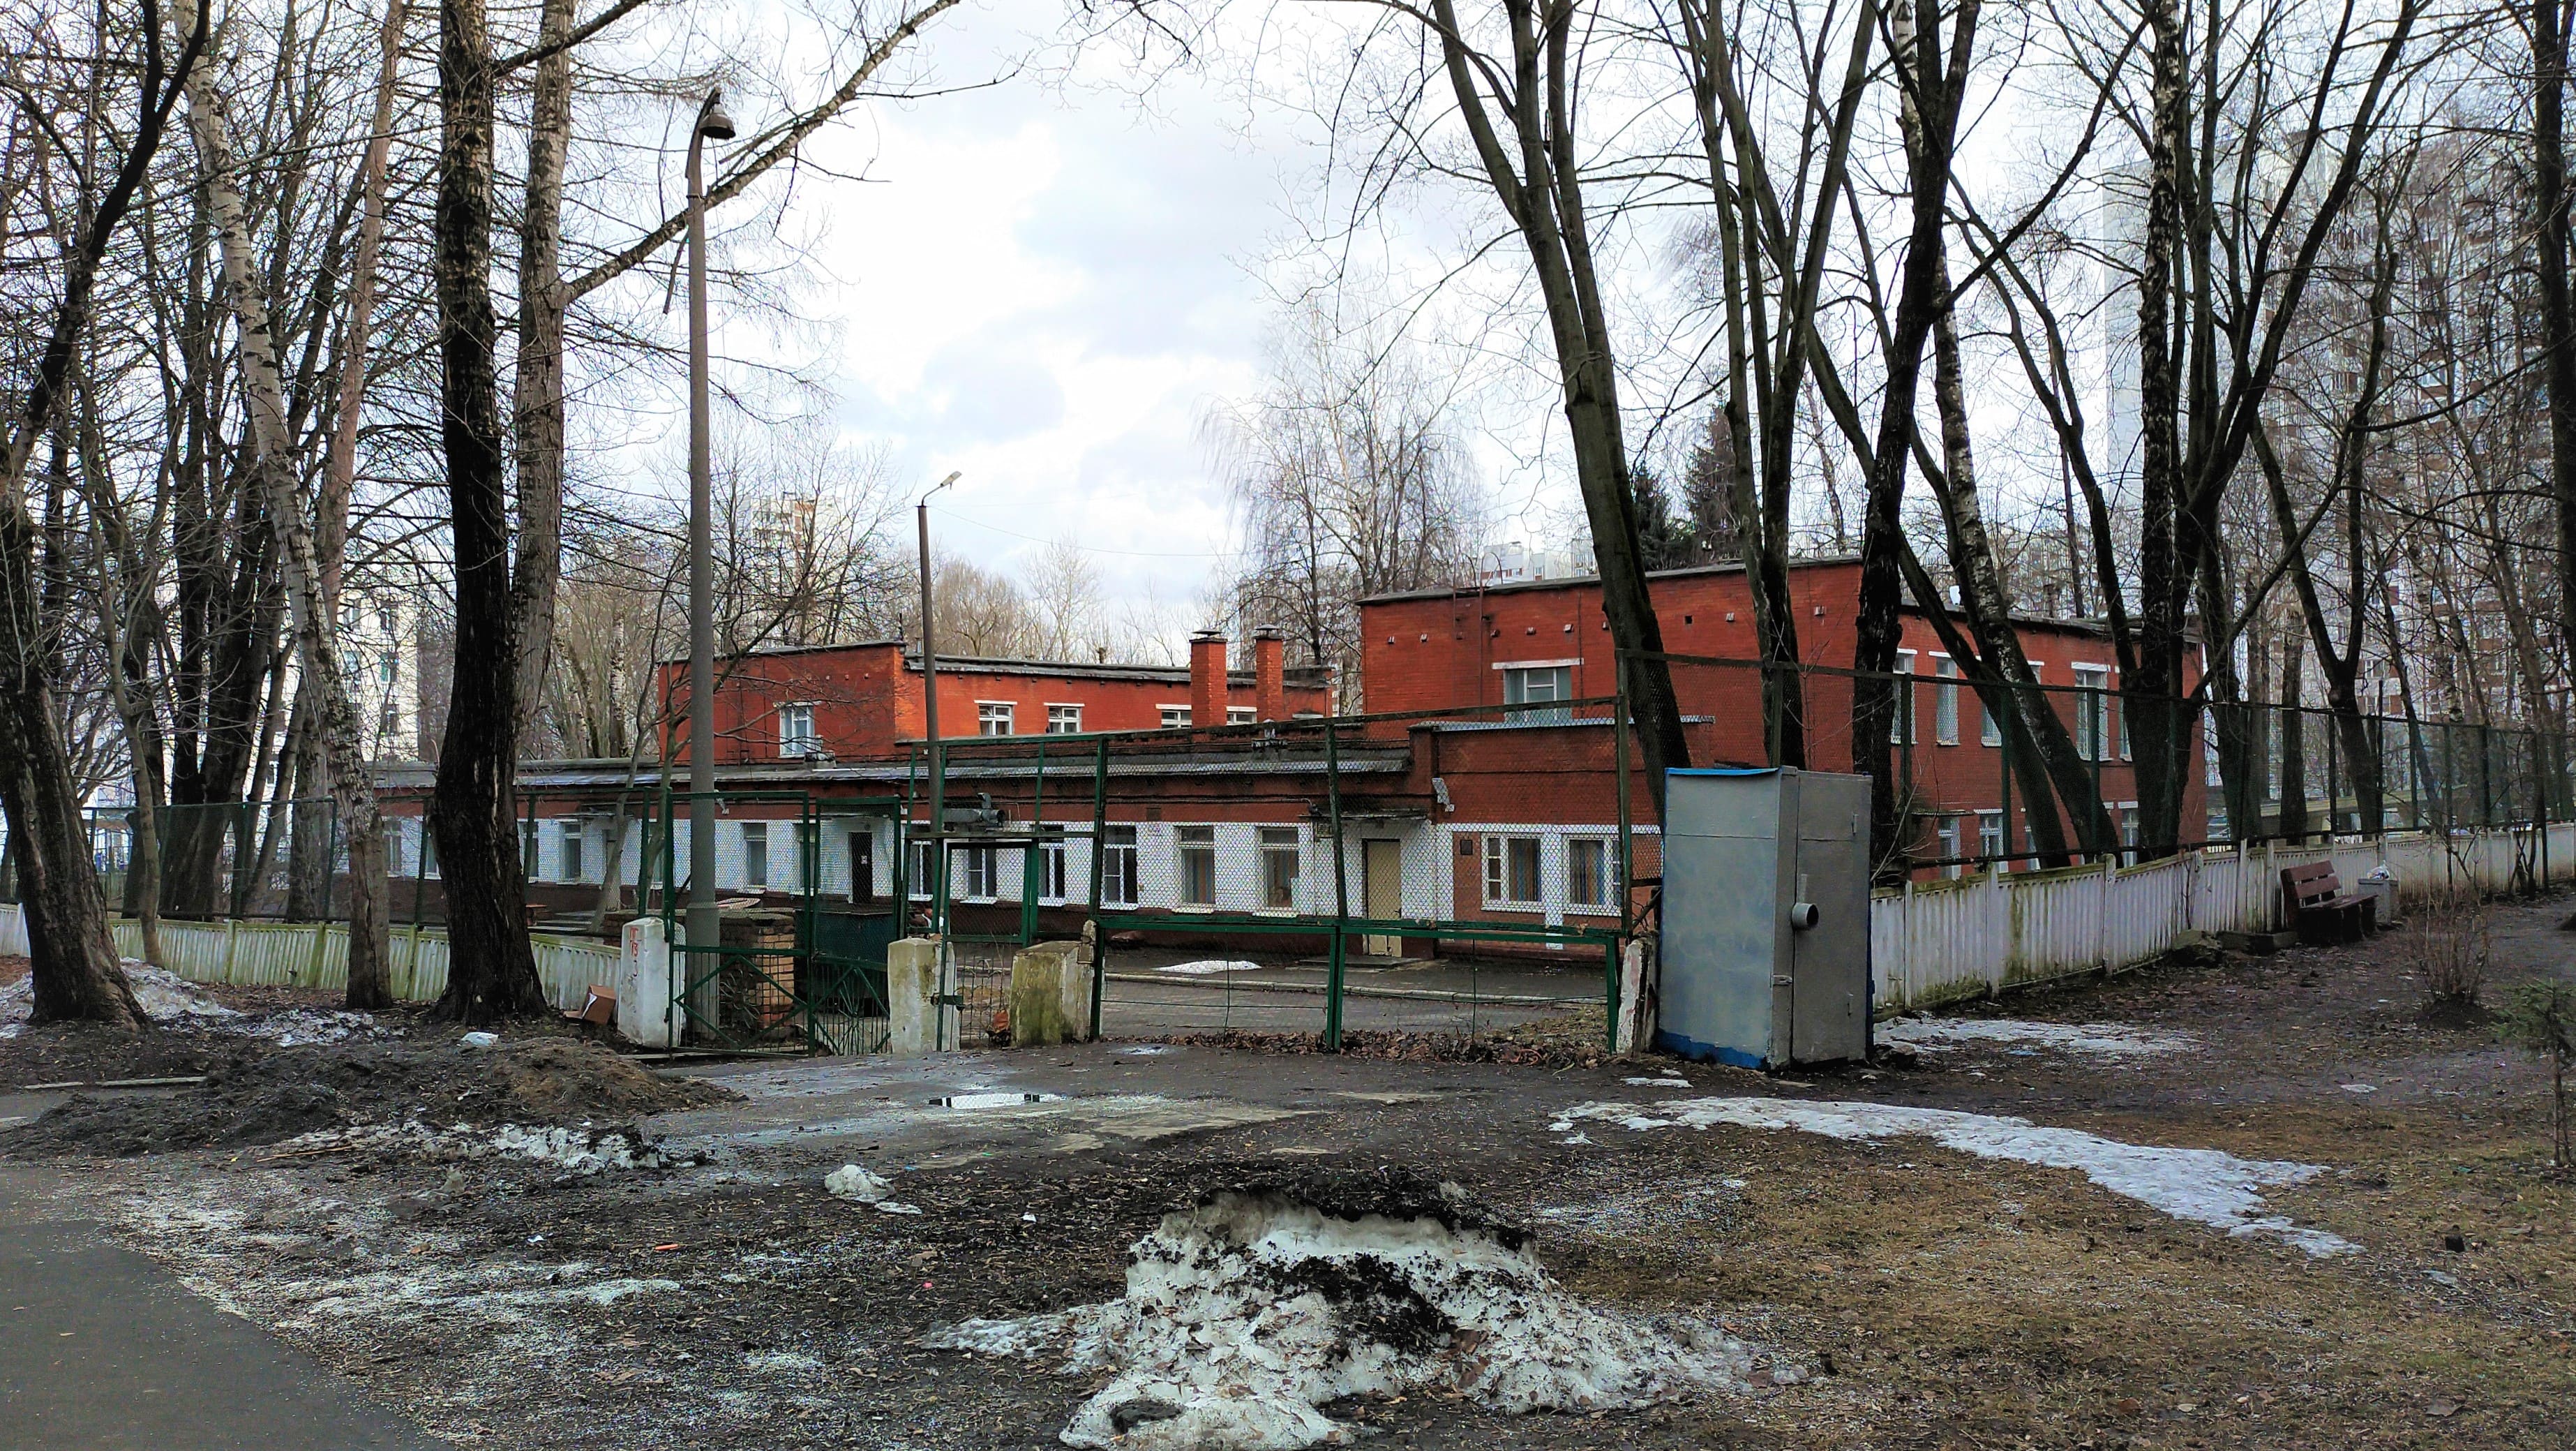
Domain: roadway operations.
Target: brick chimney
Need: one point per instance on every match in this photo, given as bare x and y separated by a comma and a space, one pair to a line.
1207, 678
1269, 674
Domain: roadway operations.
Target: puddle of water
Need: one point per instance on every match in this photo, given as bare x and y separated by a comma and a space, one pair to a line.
994, 1100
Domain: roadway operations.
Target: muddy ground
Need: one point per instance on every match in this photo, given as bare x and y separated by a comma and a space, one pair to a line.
1934, 1298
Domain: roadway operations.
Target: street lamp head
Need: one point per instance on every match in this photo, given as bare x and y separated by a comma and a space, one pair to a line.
953, 476
715, 123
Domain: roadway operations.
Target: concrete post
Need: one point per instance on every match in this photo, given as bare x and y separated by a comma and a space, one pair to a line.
921, 997
1050, 995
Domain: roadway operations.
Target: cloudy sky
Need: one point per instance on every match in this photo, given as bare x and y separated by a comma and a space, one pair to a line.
1046, 284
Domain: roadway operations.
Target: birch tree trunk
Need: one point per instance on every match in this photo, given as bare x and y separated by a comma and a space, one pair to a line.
335, 721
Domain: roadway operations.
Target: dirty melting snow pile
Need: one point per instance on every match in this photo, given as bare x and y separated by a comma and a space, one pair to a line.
2204, 1186
1244, 1317
2108, 1040
173, 1002
574, 1151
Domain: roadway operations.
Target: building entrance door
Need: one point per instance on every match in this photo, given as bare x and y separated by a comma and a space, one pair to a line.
1382, 892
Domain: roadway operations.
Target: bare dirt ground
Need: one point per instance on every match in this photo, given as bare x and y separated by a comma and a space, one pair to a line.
1911, 1294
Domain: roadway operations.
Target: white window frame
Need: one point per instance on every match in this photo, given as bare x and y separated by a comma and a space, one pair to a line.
796, 729
1900, 730
1174, 717
922, 869
1520, 675
1497, 877
568, 852
1945, 704
989, 713
1270, 843
755, 832
1242, 715
1991, 839
1121, 879
1064, 720
532, 858
1187, 843
1055, 870
2092, 711
983, 873
1609, 850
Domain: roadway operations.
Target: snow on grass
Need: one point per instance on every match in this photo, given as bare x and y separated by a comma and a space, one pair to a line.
2109, 1040
2204, 1186
1208, 967
172, 1001
1244, 1317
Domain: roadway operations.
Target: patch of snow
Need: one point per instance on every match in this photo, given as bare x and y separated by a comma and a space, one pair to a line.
575, 1151
1244, 1317
856, 1184
888, 1206
2359, 1087
2204, 1186
2108, 1040
173, 1002
479, 1040
1659, 1082
1208, 967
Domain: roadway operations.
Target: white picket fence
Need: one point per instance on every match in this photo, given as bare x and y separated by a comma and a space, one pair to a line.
316, 955
1937, 942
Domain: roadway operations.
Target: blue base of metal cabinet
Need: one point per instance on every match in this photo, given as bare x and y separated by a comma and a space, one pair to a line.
1766, 917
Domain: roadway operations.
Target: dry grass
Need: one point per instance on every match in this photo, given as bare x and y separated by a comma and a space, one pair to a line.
1970, 1303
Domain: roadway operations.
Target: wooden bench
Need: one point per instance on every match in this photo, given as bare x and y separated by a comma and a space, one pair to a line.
2321, 910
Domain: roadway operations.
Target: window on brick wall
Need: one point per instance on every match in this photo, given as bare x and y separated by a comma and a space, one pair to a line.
1173, 716
1901, 729
1511, 870
755, 853
2092, 710
1064, 720
992, 717
1242, 714
1990, 833
796, 729
922, 870
1945, 702
1535, 684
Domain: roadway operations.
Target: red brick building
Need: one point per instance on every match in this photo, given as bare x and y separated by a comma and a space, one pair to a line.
1475, 789
866, 702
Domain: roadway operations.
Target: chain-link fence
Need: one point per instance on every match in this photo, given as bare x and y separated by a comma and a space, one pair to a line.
2074, 769
1307, 876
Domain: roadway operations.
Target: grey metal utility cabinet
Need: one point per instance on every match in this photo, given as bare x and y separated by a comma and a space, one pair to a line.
1766, 917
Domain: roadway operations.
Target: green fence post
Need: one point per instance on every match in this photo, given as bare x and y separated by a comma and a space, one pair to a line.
1099, 863
1032, 857
1627, 814
1341, 890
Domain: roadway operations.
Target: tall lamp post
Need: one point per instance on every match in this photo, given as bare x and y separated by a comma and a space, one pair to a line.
930, 711
705, 927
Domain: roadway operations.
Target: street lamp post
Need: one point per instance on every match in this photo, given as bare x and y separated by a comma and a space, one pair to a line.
705, 926
930, 711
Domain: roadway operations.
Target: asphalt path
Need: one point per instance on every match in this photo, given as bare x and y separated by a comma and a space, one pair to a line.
100, 1347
